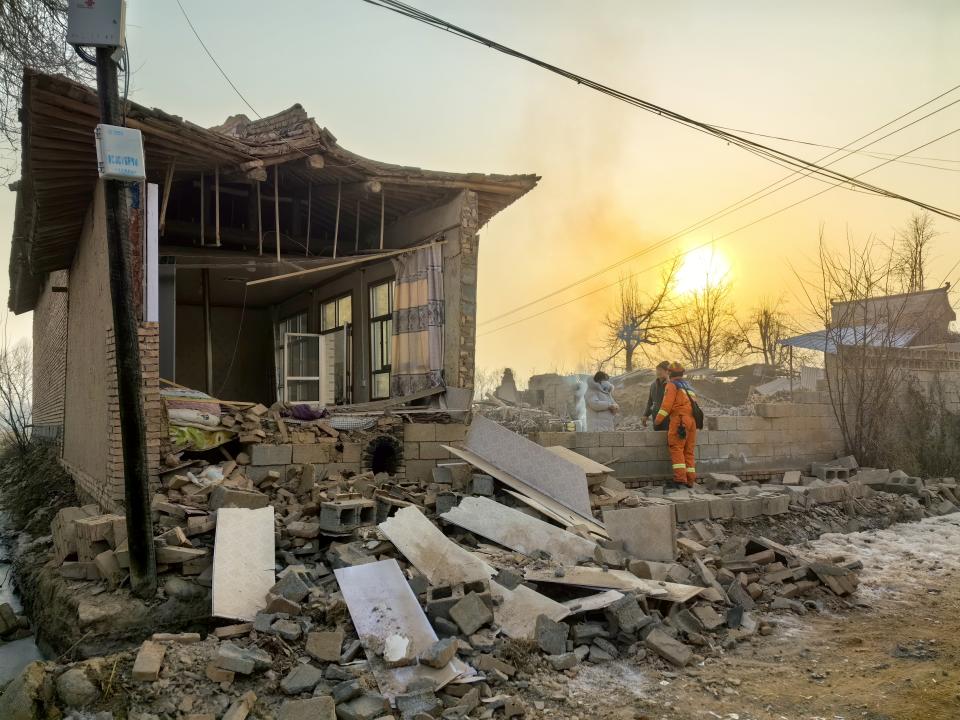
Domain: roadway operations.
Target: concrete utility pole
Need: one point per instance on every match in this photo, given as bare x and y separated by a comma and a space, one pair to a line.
143, 566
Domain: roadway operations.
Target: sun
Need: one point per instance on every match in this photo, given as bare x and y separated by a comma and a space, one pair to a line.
701, 268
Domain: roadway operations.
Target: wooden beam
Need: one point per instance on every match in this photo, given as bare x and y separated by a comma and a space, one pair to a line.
336, 223
203, 215
216, 182
315, 162
167, 183
259, 223
383, 203
356, 239
309, 213
276, 206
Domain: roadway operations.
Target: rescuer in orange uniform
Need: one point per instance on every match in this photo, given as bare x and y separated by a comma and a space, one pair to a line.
682, 433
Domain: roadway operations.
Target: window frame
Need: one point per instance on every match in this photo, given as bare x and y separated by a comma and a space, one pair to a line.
377, 324
280, 332
341, 323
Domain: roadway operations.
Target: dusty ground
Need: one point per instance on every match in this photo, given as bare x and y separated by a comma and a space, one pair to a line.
896, 657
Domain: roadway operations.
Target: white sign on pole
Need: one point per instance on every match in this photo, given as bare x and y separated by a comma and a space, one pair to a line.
120, 153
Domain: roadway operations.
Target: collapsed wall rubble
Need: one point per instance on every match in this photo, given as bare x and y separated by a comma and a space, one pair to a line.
444, 598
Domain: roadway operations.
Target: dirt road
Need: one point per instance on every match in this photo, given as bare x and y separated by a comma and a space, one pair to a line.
895, 657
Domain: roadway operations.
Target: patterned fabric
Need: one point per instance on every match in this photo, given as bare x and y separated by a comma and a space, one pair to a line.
417, 362
352, 422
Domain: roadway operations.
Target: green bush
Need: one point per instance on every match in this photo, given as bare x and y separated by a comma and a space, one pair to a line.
33, 486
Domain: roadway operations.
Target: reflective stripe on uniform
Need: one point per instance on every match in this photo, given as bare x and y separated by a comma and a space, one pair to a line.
691, 469
662, 412
678, 465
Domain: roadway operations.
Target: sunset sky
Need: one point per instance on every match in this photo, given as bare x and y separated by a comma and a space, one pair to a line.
615, 179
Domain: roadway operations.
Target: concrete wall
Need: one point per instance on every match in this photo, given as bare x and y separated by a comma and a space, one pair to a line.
50, 357
781, 436
86, 414
251, 375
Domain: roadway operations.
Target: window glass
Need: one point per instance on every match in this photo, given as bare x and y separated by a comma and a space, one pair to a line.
381, 339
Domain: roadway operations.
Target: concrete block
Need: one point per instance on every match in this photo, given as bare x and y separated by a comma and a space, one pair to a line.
451, 432
625, 615
303, 678
482, 485
440, 598
315, 708
551, 636
325, 646
433, 451
224, 497
791, 477
776, 504
586, 440
471, 613
263, 454
610, 439
419, 470
411, 451
316, 453
146, 667
669, 649
647, 533
745, 508
343, 516
693, 509
419, 432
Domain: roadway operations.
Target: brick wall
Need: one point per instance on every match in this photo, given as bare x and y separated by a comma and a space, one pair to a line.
108, 489
50, 357
780, 436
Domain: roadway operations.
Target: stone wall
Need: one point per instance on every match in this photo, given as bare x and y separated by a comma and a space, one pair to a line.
50, 357
781, 436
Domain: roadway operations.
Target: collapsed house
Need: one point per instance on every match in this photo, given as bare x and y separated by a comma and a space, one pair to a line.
272, 265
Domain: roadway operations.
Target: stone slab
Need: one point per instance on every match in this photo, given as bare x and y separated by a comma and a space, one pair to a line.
243, 562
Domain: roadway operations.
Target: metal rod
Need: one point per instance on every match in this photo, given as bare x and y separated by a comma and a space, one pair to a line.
383, 201
276, 207
216, 193
356, 239
133, 424
259, 222
167, 182
309, 211
336, 222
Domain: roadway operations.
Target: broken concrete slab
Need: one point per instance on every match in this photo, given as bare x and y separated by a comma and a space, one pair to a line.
599, 578
551, 636
243, 562
225, 497
471, 613
647, 533
325, 646
315, 708
381, 603
443, 562
518, 531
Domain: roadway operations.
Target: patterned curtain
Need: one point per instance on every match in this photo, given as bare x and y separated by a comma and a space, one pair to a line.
417, 361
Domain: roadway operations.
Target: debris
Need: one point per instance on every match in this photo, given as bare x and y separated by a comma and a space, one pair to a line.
669, 649
146, 667
647, 533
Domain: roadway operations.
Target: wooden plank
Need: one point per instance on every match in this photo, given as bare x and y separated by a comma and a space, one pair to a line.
243, 562
599, 578
443, 562
554, 477
533, 497
589, 467
381, 604
518, 531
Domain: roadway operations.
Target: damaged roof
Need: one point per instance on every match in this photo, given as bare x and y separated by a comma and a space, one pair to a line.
59, 170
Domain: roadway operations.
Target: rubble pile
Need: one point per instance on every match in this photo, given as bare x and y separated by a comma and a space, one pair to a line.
446, 599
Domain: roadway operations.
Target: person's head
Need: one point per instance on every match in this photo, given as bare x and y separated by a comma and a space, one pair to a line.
675, 369
600, 377
663, 370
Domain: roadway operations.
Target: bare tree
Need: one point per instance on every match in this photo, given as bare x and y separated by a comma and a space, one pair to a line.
485, 381
856, 297
766, 325
16, 372
638, 318
911, 251
704, 329
33, 33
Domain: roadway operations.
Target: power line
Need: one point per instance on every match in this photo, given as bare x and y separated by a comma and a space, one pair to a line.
875, 154
752, 146
706, 244
742, 203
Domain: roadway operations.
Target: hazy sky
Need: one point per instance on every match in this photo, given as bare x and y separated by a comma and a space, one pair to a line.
615, 179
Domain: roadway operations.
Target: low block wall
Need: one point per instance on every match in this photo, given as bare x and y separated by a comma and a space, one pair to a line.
781, 436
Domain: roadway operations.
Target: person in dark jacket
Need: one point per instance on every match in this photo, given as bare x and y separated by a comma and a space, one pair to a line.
655, 397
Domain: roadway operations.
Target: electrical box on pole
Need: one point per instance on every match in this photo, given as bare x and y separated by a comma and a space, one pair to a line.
96, 23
